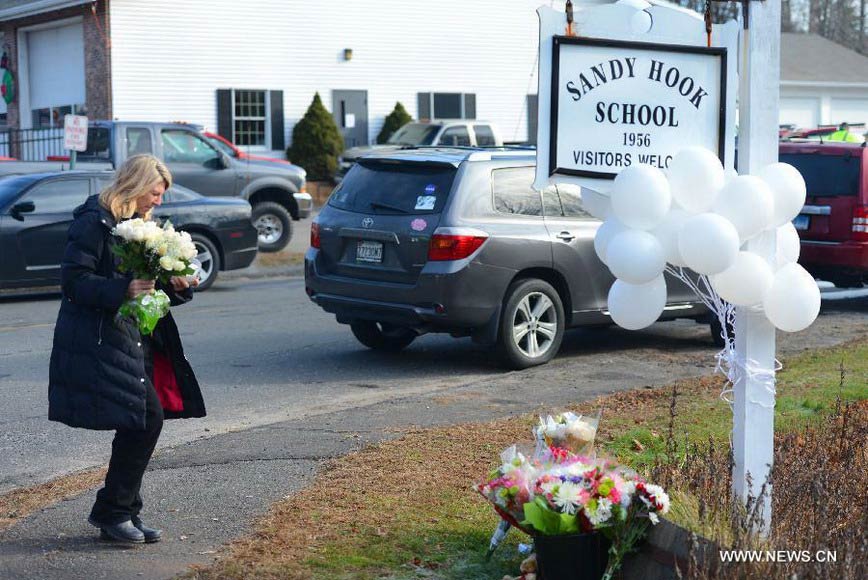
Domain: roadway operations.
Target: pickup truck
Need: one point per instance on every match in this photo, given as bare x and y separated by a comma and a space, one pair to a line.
433, 133
276, 191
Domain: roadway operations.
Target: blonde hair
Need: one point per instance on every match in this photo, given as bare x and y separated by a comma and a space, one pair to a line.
138, 176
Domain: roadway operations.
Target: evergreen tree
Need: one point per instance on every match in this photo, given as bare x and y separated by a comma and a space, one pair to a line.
316, 142
394, 121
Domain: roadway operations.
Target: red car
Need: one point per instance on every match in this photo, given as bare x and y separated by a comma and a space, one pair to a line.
230, 149
833, 225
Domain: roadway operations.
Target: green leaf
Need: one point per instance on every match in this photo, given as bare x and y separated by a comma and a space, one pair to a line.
546, 521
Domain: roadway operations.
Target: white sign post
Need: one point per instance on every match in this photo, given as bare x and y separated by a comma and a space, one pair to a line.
74, 136
753, 422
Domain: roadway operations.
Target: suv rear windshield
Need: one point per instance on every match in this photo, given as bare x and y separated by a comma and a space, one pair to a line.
827, 175
394, 188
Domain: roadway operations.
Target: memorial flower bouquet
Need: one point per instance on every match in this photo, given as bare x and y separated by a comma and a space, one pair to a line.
151, 252
562, 493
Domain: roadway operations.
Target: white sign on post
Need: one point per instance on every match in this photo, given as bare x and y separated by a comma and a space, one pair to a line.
617, 103
75, 132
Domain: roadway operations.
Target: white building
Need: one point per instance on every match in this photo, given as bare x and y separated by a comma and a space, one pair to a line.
252, 67
822, 83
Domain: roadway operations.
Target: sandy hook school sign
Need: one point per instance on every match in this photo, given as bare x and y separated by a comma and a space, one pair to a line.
618, 103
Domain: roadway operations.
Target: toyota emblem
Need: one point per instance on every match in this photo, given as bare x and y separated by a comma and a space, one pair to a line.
367, 222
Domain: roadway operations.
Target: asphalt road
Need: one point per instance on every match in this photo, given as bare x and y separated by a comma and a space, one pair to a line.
264, 354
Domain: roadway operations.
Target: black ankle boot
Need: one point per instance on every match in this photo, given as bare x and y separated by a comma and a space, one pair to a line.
151, 534
124, 532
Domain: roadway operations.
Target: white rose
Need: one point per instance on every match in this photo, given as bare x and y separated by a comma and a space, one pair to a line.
167, 263
180, 266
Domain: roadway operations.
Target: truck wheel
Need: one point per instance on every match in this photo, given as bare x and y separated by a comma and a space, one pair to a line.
209, 257
531, 325
274, 225
382, 336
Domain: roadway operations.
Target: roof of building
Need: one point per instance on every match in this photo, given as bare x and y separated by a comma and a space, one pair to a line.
11, 9
812, 58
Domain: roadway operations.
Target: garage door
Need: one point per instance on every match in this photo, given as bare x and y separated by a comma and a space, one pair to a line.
55, 69
800, 111
850, 110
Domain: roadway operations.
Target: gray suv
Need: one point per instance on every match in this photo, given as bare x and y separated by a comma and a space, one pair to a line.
457, 240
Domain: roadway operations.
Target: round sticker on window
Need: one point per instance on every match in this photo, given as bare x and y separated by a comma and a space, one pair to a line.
430, 188
418, 225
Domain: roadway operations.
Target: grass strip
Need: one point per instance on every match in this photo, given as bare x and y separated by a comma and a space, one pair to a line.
22, 502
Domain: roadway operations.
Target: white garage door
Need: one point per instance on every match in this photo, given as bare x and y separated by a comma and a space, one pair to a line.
802, 112
850, 110
55, 68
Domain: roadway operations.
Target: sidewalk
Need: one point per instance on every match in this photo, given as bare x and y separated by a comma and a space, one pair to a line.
206, 493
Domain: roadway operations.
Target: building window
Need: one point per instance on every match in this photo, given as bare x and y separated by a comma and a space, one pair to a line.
250, 118
49, 117
447, 105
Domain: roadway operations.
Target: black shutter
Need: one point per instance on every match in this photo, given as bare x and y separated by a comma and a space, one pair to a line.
277, 139
469, 106
224, 114
424, 106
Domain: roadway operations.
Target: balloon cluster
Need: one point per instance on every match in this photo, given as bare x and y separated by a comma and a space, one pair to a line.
697, 216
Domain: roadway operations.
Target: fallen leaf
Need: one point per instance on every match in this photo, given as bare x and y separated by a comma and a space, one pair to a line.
638, 446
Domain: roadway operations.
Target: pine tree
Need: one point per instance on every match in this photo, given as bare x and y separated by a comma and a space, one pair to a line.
316, 142
394, 121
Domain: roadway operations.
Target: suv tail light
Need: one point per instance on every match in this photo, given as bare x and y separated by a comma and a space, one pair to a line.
314, 235
454, 243
860, 223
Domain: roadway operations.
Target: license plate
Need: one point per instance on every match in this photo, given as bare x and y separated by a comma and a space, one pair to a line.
802, 222
369, 252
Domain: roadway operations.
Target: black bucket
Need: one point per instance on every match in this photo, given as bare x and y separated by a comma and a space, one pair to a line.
572, 557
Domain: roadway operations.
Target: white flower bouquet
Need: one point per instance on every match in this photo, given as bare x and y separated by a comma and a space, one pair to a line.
151, 252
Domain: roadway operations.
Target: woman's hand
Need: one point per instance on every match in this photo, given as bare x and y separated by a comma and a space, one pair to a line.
137, 287
180, 283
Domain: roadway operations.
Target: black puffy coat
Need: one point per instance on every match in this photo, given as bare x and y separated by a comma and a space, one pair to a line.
97, 375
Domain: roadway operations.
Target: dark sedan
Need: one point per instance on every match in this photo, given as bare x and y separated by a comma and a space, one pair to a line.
36, 210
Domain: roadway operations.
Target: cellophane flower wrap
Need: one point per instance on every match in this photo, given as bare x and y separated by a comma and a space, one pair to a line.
151, 252
561, 492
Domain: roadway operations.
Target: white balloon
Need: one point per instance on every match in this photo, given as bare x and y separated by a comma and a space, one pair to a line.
745, 282
635, 306
635, 256
696, 177
708, 243
747, 202
789, 245
792, 302
788, 191
640, 197
610, 228
729, 174
667, 234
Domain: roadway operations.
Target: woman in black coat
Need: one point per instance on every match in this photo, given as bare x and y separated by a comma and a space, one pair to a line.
104, 374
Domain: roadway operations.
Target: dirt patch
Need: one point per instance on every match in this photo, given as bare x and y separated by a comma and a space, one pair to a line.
20, 503
278, 259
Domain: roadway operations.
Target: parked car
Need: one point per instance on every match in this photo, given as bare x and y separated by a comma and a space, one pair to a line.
457, 241
444, 132
36, 211
833, 225
195, 163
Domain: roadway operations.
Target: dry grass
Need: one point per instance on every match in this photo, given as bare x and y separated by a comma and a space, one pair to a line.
407, 506
22, 502
277, 259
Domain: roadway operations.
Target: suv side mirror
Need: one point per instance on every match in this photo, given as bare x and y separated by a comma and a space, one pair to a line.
20, 208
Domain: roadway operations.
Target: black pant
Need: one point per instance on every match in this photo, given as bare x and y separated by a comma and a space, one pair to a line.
120, 499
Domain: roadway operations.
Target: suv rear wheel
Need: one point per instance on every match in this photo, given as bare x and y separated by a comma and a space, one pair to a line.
274, 225
532, 324
382, 336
